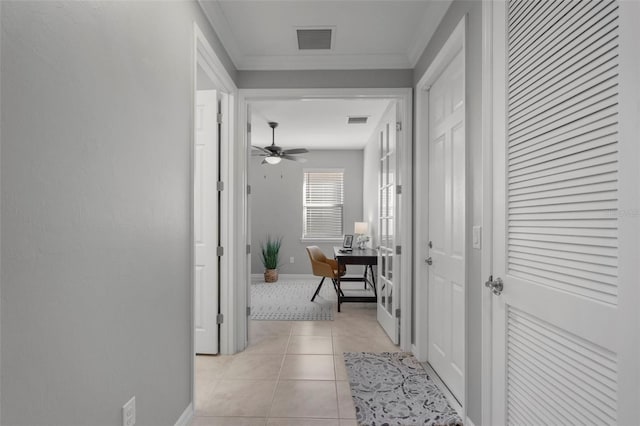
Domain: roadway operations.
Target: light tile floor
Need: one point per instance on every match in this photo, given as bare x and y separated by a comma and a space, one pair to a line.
292, 373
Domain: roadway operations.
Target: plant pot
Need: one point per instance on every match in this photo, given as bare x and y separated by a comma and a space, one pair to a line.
270, 275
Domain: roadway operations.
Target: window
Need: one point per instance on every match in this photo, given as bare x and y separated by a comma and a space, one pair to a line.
323, 198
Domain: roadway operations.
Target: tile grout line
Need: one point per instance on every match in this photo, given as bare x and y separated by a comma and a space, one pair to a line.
275, 388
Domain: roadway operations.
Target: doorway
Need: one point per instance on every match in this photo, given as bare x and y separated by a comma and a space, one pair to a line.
402, 124
440, 265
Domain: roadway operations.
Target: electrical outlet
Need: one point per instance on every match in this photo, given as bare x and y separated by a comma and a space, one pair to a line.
129, 413
291, 259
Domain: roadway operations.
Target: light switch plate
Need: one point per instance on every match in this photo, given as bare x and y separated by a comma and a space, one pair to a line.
477, 237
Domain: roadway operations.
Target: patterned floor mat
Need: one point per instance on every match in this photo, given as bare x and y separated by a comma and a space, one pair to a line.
392, 388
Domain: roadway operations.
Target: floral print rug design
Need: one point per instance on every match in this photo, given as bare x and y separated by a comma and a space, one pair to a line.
392, 388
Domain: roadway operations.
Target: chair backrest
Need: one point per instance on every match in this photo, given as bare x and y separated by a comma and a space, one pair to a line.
319, 263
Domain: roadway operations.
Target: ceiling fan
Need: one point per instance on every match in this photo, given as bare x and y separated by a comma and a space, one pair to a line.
274, 154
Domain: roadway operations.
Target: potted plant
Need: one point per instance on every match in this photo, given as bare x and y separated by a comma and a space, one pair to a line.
271, 258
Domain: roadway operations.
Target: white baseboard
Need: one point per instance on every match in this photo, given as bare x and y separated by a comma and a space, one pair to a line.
284, 277
468, 422
187, 416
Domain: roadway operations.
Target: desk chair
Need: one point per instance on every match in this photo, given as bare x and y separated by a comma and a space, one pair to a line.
325, 268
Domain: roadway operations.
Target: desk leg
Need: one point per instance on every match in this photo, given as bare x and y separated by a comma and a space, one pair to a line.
373, 281
339, 293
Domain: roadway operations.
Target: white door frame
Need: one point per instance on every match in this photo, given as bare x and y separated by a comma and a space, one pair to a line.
452, 46
203, 55
486, 257
405, 107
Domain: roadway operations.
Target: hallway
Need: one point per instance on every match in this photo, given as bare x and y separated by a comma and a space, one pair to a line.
292, 373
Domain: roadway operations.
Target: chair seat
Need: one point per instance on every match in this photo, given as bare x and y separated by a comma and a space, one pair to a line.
325, 268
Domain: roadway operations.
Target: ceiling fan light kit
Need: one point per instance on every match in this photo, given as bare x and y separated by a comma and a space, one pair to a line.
274, 154
273, 160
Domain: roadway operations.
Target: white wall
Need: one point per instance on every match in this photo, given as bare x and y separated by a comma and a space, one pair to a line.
328, 79
95, 212
276, 193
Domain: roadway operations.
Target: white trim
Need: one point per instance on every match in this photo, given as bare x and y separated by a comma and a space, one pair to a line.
405, 107
498, 30
629, 214
487, 208
468, 422
454, 44
187, 416
204, 55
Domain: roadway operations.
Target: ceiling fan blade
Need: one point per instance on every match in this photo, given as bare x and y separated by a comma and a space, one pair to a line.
295, 151
298, 159
260, 149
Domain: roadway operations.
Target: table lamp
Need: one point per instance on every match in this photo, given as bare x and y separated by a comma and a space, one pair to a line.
360, 229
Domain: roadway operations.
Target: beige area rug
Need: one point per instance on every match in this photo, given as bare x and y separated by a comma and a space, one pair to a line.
291, 301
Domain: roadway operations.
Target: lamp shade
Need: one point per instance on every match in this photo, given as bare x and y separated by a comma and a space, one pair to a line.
361, 228
273, 160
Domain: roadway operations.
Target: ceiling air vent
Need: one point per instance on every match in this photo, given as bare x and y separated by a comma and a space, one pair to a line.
358, 120
314, 39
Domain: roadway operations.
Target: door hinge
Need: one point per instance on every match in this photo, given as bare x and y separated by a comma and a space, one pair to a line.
248, 311
220, 251
398, 125
398, 313
398, 189
398, 249
249, 127
219, 319
248, 189
219, 118
248, 248
220, 186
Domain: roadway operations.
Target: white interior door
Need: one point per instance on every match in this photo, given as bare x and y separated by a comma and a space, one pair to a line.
388, 262
563, 334
206, 214
446, 192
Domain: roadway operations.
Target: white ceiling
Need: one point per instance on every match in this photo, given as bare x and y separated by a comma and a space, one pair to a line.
260, 34
315, 123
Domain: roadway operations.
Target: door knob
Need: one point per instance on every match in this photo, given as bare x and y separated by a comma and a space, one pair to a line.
429, 261
496, 286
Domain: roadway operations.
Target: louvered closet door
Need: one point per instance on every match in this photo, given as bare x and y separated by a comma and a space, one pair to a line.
556, 234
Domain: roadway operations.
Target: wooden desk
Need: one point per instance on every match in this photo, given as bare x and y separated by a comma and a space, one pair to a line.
365, 257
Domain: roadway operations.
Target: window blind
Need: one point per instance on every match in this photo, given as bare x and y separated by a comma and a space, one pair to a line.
323, 194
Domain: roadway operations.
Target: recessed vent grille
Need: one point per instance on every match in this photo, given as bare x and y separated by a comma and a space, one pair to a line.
314, 39
357, 120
